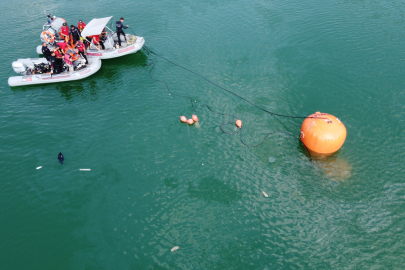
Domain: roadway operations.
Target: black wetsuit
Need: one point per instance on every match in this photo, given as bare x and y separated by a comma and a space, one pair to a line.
46, 52
120, 26
55, 64
75, 34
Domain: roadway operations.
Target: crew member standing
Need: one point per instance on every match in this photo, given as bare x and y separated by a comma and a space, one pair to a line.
120, 26
55, 64
81, 25
46, 52
75, 34
64, 32
59, 57
82, 50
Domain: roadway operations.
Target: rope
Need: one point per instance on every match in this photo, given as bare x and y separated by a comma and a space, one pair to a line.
209, 108
211, 82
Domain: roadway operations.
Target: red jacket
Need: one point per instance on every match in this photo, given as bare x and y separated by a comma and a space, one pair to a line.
65, 30
96, 39
58, 53
62, 45
81, 47
81, 26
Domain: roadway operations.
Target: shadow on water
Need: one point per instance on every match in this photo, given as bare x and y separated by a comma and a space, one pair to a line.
171, 182
214, 190
110, 70
281, 149
243, 254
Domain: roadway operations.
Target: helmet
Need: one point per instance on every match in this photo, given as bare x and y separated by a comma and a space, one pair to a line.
64, 24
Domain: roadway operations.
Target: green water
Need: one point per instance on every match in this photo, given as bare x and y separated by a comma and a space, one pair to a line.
156, 183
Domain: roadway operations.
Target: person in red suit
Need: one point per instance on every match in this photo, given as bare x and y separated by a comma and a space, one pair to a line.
64, 32
81, 25
98, 42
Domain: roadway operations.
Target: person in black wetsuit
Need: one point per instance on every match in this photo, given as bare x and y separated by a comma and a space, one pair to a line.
119, 24
75, 34
46, 52
55, 64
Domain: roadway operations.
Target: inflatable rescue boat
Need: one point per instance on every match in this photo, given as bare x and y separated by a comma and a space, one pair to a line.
130, 44
37, 71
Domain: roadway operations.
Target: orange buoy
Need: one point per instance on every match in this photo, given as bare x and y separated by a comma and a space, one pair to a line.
183, 119
195, 118
323, 133
190, 121
238, 123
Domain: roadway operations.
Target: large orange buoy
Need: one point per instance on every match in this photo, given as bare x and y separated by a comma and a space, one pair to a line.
183, 119
323, 133
195, 118
238, 123
190, 121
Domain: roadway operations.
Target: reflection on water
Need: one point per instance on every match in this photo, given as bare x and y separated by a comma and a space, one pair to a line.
335, 167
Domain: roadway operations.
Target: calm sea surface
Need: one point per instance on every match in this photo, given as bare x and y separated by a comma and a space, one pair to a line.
156, 183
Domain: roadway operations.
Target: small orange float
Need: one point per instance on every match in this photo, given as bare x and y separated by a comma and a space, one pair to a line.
323, 133
195, 118
190, 121
183, 119
238, 123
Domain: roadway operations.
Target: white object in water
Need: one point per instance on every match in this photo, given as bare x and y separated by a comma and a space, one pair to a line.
175, 248
39, 167
272, 159
265, 194
85, 170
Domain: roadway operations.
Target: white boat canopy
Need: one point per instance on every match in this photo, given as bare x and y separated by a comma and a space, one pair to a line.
95, 27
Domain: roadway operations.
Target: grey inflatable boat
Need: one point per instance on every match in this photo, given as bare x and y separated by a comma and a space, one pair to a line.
130, 44
37, 71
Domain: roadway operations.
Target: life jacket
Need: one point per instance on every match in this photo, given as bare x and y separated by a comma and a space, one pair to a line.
67, 58
81, 26
74, 54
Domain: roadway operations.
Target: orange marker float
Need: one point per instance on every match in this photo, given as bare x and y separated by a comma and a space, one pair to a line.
190, 121
323, 133
238, 123
183, 119
195, 118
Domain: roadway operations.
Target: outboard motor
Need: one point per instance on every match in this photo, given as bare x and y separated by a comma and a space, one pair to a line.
19, 67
